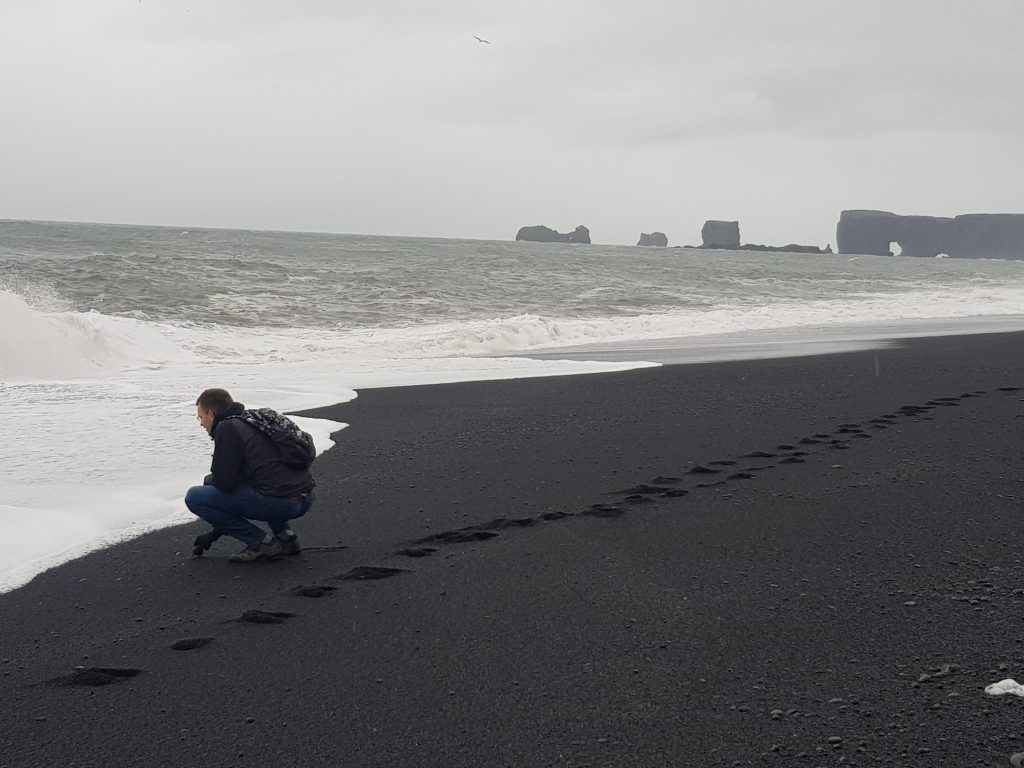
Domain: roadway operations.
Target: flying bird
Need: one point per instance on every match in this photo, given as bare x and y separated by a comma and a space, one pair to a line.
481, 40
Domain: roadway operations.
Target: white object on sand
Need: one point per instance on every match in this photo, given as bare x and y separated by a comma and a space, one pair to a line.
1005, 686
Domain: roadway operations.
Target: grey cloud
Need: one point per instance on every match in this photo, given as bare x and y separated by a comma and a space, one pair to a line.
824, 69
389, 117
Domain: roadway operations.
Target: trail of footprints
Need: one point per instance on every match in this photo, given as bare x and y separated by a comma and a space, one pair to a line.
709, 474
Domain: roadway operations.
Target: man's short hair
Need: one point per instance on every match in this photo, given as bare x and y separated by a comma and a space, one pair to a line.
216, 400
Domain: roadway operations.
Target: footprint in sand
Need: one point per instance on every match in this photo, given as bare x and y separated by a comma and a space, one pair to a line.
97, 676
460, 536
502, 523
369, 573
642, 489
336, 548
416, 551
914, 410
312, 590
190, 643
555, 515
265, 617
604, 510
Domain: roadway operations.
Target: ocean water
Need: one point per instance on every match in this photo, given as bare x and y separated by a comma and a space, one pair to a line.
108, 333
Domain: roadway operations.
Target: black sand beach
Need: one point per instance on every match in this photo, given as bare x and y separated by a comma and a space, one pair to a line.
826, 569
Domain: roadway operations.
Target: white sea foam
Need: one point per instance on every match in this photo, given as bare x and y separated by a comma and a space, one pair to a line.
526, 332
93, 459
39, 344
64, 344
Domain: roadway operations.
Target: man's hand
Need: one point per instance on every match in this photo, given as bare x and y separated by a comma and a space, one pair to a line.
208, 480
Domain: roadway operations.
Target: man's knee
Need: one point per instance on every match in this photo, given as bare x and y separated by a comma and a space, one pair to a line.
198, 496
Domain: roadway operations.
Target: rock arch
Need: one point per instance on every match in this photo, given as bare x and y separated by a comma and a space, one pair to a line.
981, 235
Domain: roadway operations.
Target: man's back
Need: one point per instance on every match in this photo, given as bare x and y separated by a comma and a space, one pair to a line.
243, 455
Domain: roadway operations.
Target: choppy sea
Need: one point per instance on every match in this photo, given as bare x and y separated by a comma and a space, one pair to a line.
108, 333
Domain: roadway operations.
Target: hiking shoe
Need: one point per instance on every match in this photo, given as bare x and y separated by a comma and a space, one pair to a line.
260, 552
203, 542
290, 546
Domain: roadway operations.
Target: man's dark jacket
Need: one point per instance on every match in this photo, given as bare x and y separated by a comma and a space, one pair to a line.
244, 456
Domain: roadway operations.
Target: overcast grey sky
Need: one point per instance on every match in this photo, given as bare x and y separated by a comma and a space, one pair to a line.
388, 117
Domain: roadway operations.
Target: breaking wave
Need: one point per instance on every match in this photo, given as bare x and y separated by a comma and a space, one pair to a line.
38, 343
42, 344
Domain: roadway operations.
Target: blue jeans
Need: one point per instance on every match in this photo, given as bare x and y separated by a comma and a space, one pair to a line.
230, 513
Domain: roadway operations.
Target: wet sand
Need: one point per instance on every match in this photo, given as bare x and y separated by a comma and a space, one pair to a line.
798, 561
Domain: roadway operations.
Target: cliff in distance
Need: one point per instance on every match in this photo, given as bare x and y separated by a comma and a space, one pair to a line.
978, 235
542, 234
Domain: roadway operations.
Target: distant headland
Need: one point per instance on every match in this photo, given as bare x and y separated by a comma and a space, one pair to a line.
542, 234
977, 235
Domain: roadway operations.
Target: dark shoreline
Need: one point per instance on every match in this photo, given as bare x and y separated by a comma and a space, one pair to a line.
659, 632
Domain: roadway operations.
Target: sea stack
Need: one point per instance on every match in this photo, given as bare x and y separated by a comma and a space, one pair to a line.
654, 239
720, 234
542, 234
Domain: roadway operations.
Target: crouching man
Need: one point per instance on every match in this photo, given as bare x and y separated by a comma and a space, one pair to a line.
260, 471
